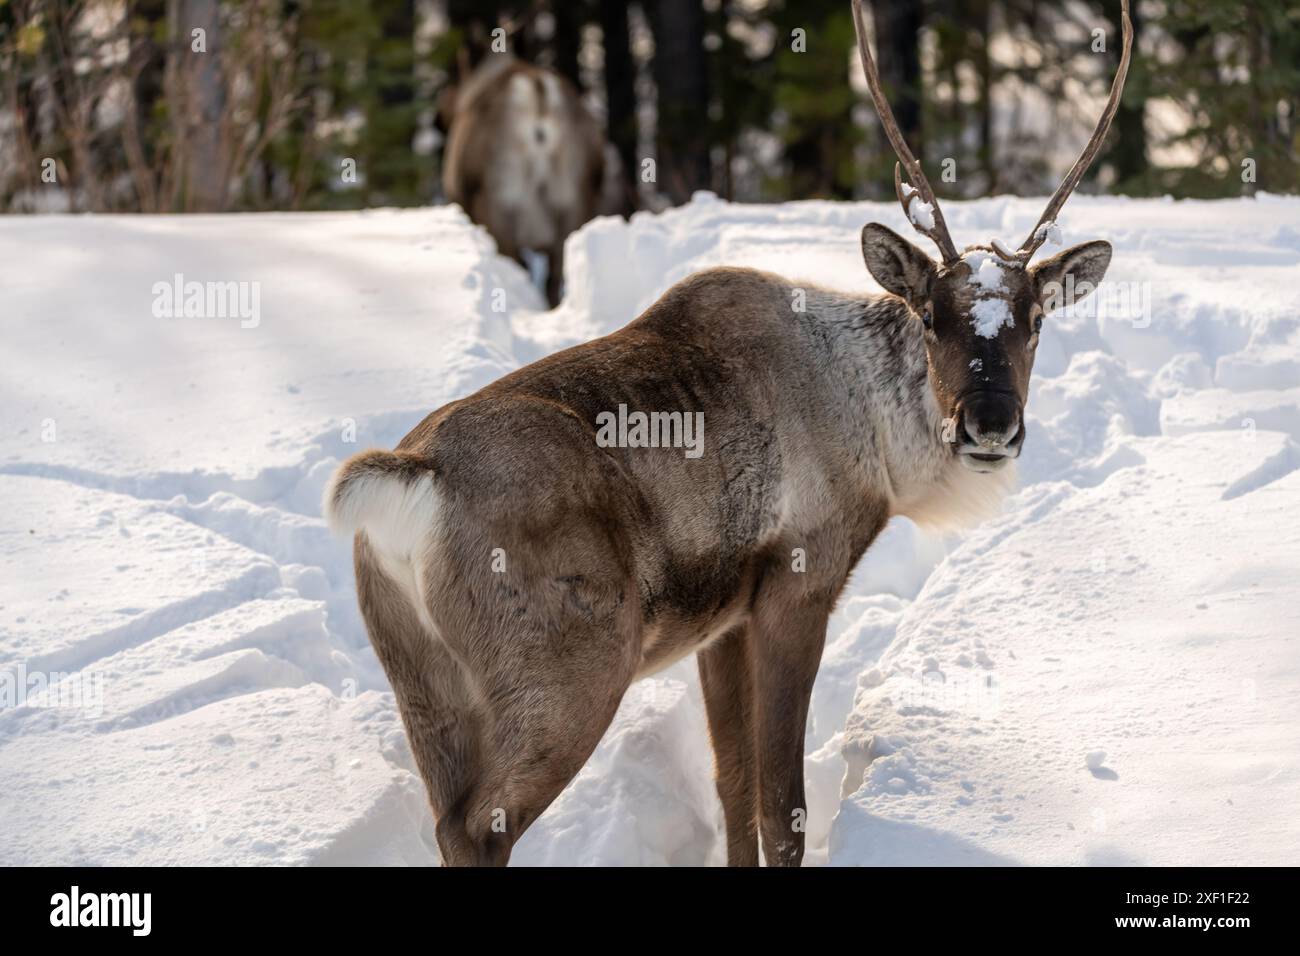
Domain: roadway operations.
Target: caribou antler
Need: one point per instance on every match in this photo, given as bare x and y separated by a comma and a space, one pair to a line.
933, 225
936, 229
1048, 219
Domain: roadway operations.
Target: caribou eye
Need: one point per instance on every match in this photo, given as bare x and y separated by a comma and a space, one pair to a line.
1036, 318
927, 318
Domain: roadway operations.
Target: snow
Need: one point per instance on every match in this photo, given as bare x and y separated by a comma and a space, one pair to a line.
986, 272
989, 315
990, 311
1005, 251
1048, 232
1165, 633
920, 212
1105, 673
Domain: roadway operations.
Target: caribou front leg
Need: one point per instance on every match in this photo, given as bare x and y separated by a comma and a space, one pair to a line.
726, 675
789, 630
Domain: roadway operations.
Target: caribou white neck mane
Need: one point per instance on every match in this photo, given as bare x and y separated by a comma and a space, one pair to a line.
875, 344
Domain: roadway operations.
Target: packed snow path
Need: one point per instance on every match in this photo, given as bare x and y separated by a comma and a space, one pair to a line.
1107, 673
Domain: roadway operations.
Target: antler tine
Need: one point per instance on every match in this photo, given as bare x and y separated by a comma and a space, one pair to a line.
914, 172
904, 198
1039, 234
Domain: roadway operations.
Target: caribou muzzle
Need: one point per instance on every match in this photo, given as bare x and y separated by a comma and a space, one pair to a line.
990, 429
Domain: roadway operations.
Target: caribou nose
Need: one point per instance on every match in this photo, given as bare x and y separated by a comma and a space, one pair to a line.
991, 419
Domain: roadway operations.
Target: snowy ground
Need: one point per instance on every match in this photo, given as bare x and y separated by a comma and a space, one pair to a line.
1107, 673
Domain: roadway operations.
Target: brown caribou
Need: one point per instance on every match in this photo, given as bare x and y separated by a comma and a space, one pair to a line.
524, 159
528, 551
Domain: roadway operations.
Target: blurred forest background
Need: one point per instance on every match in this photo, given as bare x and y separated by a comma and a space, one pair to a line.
106, 105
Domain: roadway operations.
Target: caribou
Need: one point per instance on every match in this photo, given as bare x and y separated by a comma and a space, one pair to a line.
516, 575
524, 159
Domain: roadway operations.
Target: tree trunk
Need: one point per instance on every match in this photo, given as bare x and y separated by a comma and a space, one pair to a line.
147, 34
21, 99
1128, 146
681, 75
981, 26
204, 188
390, 173
567, 39
620, 95
898, 58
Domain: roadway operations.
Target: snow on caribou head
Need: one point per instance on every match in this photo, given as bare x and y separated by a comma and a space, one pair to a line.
982, 309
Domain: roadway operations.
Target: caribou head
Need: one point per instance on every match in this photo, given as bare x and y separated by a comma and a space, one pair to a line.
981, 309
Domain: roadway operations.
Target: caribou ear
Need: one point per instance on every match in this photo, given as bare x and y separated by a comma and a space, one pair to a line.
1071, 276
897, 265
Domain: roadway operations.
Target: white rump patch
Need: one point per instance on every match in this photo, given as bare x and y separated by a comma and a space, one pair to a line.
398, 516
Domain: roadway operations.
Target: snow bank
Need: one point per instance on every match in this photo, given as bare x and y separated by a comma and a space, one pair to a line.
198, 686
1105, 675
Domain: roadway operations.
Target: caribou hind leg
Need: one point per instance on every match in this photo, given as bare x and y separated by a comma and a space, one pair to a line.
542, 727
538, 742
438, 712
549, 646
502, 714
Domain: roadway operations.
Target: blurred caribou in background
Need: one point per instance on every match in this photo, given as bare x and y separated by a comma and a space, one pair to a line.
524, 159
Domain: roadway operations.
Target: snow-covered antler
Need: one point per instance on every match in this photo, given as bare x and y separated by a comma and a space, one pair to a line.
1047, 221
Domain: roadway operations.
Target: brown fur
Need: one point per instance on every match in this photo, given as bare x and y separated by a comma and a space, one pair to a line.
820, 425
983, 383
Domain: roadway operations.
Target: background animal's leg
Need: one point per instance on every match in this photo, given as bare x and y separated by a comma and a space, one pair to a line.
500, 224
726, 674
555, 273
788, 634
